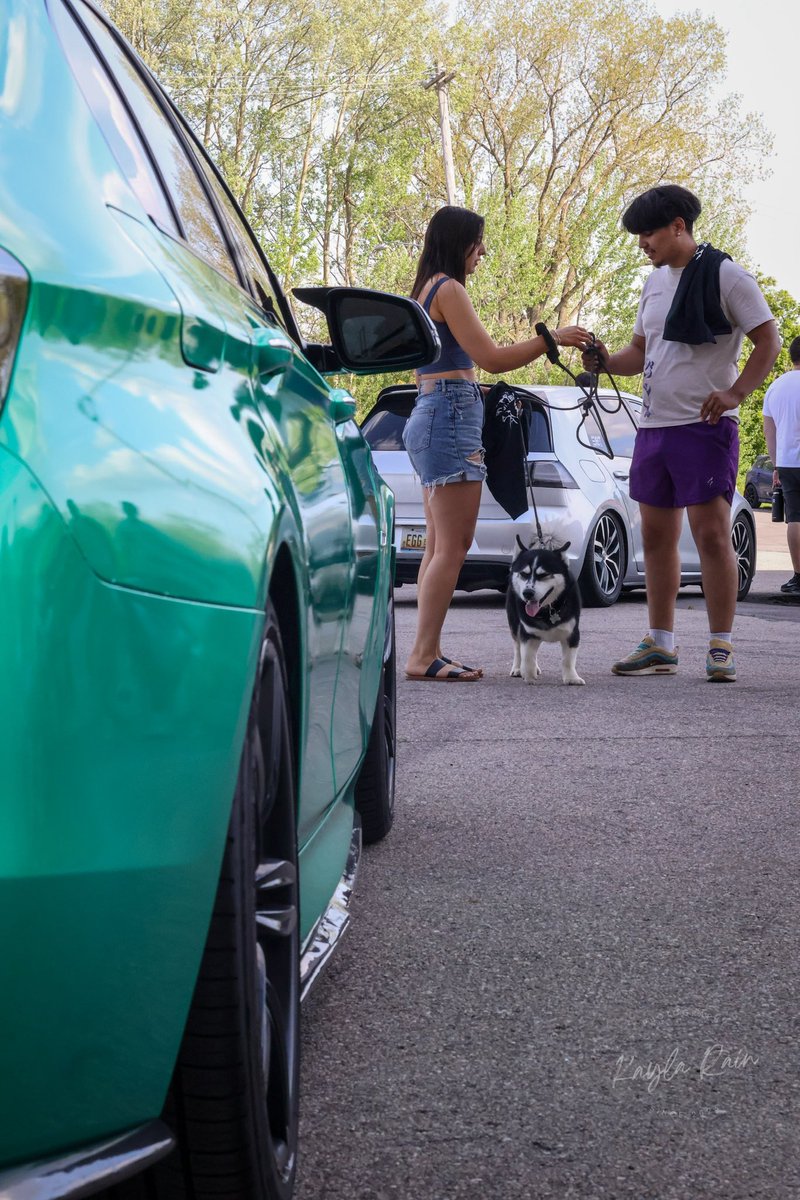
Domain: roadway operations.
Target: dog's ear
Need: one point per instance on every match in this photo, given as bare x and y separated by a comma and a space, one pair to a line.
566, 546
521, 544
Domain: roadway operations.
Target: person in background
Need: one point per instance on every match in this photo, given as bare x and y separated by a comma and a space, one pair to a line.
782, 434
443, 433
695, 309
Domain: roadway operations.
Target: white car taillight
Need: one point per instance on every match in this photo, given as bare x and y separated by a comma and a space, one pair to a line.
13, 301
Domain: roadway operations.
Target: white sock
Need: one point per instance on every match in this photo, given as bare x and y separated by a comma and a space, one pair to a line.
664, 638
722, 637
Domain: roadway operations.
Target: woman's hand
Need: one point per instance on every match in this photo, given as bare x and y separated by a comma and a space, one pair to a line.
572, 335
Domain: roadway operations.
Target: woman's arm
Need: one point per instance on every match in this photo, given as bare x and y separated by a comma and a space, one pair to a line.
465, 325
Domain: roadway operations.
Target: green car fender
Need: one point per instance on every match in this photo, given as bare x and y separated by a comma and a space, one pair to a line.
112, 876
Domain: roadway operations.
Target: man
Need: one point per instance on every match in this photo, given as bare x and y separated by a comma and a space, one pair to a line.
782, 433
695, 308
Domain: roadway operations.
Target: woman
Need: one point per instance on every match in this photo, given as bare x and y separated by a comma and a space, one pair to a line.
443, 433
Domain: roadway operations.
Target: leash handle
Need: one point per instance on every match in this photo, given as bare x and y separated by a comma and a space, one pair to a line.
591, 396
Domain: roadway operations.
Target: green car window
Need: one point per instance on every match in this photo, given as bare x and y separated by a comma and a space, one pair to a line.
114, 121
197, 216
249, 258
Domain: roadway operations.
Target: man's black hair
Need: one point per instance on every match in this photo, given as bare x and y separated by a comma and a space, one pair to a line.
659, 207
794, 350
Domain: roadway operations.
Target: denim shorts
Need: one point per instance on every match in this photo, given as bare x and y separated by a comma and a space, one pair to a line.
443, 433
679, 465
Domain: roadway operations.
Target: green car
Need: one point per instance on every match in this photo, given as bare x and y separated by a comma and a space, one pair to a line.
197, 639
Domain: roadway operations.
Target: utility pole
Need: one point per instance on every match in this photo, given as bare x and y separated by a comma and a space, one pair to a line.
440, 80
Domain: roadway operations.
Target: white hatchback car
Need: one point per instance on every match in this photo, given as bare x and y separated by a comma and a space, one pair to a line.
580, 494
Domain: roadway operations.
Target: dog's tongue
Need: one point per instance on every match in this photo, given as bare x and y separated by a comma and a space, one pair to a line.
532, 608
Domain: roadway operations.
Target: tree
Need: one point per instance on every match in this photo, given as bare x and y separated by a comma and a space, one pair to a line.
316, 114
571, 112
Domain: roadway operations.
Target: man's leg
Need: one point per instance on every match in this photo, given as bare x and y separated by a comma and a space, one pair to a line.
711, 529
656, 654
790, 482
661, 531
793, 540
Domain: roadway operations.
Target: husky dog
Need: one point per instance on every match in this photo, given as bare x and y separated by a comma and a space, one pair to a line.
543, 604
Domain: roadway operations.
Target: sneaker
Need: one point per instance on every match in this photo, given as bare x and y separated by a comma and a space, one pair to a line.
648, 659
792, 586
720, 667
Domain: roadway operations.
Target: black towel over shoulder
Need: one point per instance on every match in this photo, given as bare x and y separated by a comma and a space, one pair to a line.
696, 315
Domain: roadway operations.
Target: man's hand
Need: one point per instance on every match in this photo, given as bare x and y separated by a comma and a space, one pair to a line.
718, 403
594, 356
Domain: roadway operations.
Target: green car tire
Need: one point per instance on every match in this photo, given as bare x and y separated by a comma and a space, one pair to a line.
233, 1101
374, 793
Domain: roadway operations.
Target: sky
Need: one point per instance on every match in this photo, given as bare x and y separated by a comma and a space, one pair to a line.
764, 67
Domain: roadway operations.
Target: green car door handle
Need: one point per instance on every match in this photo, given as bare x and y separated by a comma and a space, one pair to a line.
274, 352
341, 406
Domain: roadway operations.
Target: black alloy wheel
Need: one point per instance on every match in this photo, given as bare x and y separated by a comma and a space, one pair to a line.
603, 570
744, 547
374, 791
233, 1101
751, 496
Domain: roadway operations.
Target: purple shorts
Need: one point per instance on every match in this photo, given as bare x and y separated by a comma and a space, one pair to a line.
680, 465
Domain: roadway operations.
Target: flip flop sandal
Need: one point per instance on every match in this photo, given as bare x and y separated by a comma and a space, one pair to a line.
454, 663
442, 671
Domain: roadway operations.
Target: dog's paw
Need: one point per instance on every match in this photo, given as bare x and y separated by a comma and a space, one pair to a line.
532, 676
574, 678
515, 673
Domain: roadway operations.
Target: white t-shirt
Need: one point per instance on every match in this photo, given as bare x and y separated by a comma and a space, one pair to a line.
782, 403
678, 378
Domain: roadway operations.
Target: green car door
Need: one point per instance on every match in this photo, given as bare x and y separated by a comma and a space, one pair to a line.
283, 402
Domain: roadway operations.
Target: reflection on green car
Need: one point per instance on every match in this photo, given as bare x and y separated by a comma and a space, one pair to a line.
197, 640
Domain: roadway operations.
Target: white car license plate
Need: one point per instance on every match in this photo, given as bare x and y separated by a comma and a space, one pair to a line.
413, 539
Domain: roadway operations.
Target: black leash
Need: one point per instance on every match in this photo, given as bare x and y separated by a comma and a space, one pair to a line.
591, 399
591, 394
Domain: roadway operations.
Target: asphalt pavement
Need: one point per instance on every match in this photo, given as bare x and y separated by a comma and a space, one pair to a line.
573, 964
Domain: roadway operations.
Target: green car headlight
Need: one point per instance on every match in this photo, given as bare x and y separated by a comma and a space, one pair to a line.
13, 301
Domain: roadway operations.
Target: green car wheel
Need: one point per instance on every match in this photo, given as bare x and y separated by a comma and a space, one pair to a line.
374, 794
233, 1102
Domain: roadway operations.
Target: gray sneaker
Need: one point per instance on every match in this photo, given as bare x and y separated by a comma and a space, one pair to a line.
648, 659
720, 667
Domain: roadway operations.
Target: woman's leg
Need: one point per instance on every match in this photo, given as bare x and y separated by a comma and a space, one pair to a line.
430, 538
430, 546
453, 511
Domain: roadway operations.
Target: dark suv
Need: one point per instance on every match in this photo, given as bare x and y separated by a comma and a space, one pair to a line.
758, 482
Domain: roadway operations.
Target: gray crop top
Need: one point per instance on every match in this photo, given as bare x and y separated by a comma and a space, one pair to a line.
453, 356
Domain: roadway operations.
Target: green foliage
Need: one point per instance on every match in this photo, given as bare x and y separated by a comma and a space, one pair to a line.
316, 113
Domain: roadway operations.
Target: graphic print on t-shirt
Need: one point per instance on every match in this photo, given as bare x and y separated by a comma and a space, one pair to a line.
647, 375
